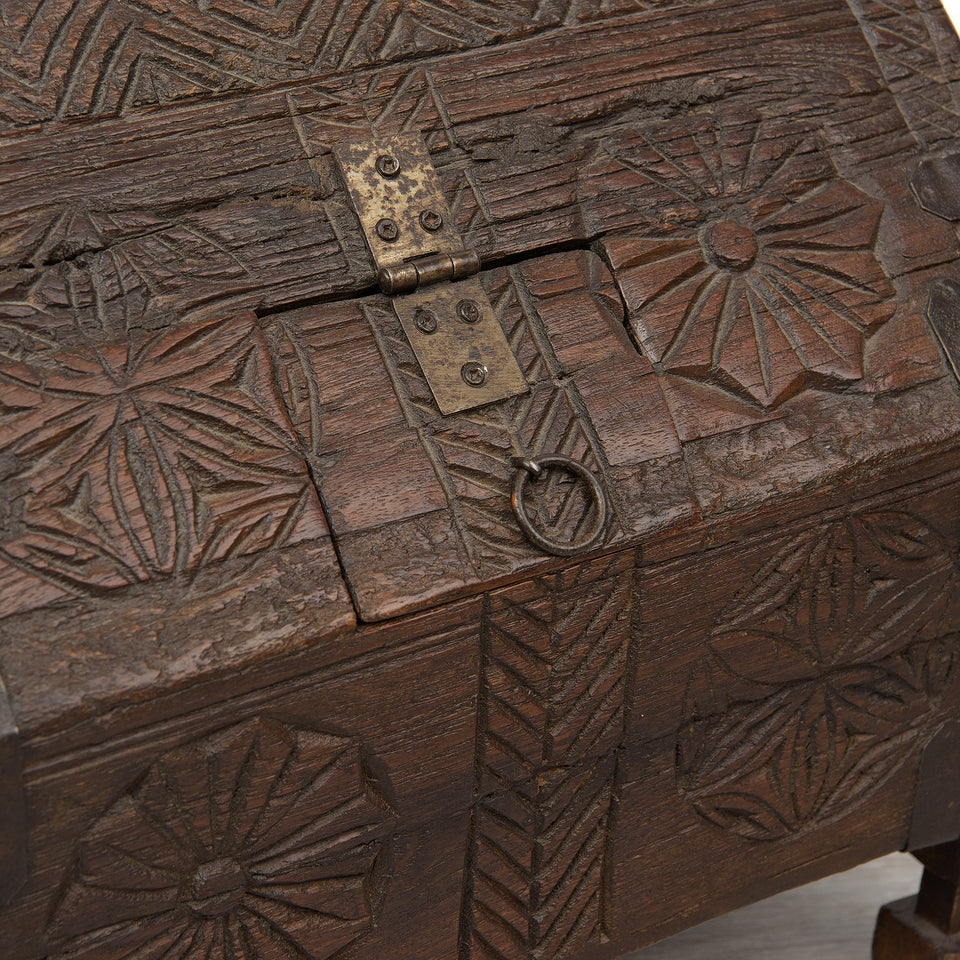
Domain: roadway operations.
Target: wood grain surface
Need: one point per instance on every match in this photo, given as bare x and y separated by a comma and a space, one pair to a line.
831, 919
285, 679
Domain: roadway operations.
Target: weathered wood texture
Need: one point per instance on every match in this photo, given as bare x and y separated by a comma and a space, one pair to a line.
103, 58
565, 819
232, 202
288, 680
420, 502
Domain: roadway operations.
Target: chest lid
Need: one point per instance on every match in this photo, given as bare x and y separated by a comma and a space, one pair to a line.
698, 241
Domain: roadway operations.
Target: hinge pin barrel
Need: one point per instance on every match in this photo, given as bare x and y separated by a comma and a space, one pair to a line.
424, 271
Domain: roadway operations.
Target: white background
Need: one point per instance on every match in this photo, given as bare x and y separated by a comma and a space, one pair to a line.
953, 8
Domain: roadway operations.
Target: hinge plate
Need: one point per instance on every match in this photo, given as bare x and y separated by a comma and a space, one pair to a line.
400, 197
466, 364
451, 325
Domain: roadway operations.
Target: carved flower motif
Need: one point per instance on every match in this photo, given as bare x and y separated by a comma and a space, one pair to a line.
262, 841
146, 458
759, 272
821, 676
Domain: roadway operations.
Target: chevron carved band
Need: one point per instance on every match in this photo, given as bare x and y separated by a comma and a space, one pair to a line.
555, 668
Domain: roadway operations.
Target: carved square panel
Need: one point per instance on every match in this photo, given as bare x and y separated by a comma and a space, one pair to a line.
147, 459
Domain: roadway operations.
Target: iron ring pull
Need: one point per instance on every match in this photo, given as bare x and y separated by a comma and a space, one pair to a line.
534, 468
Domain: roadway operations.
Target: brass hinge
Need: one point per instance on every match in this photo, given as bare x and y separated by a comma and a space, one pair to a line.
430, 275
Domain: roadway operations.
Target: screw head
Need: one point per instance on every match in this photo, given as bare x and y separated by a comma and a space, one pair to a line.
425, 320
431, 220
388, 230
469, 311
474, 373
387, 165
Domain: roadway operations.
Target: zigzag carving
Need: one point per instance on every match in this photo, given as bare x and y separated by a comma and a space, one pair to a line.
918, 53
554, 678
74, 57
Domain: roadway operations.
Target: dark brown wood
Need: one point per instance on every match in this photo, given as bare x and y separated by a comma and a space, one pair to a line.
903, 935
420, 502
67, 61
936, 807
14, 862
285, 678
943, 312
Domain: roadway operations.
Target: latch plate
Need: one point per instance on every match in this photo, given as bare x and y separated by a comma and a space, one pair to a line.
450, 322
466, 364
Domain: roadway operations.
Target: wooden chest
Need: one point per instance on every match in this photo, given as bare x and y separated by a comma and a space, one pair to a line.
284, 676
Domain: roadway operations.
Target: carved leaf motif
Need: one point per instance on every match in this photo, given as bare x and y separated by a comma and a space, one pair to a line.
759, 274
554, 675
258, 838
299, 390
146, 459
821, 676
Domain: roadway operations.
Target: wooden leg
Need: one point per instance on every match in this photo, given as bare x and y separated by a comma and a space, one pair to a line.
927, 926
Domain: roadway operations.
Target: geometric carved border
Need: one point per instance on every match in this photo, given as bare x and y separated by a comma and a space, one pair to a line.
918, 54
67, 58
555, 684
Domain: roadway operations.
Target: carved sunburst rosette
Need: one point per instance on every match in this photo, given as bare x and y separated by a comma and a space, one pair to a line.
821, 677
263, 840
758, 271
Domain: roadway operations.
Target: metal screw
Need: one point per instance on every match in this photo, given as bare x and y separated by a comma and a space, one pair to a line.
388, 166
388, 230
431, 220
425, 320
474, 374
468, 310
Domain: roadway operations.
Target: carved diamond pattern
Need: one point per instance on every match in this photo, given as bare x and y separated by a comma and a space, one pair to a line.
916, 48
71, 57
821, 676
